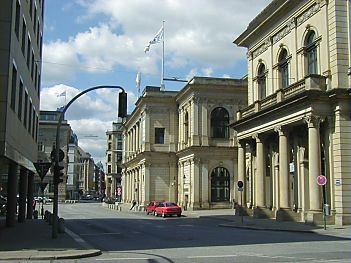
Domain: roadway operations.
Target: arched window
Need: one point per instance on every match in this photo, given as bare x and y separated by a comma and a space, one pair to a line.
219, 123
311, 53
186, 127
261, 80
283, 68
220, 185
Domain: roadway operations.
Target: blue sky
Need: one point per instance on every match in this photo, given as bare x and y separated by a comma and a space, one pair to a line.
89, 43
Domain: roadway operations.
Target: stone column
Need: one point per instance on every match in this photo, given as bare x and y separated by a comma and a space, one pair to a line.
195, 187
241, 171
314, 164
283, 168
147, 182
22, 192
260, 173
205, 186
195, 122
147, 130
180, 128
30, 189
11, 194
204, 139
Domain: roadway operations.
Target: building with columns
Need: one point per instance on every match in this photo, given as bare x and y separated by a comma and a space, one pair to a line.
150, 138
178, 146
297, 123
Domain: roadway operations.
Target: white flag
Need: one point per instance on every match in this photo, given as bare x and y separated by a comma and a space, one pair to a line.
157, 39
138, 79
63, 94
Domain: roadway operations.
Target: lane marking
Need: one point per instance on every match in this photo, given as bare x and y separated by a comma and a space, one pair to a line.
110, 259
98, 234
214, 256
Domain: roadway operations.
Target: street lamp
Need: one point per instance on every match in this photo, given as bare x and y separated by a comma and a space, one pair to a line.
122, 112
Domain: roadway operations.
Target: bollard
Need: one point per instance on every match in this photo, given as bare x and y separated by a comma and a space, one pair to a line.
61, 225
50, 218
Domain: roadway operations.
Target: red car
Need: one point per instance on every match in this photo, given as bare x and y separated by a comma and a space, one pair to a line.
150, 209
168, 208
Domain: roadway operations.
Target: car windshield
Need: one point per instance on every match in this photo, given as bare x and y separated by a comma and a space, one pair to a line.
170, 204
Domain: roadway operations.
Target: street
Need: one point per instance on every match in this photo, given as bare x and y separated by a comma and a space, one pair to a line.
130, 236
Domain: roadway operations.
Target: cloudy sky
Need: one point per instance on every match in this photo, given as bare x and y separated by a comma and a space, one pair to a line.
90, 43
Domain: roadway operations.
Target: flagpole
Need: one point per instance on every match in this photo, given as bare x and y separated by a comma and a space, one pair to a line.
163, 57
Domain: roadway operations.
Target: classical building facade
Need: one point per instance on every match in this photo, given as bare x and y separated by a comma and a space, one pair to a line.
178, 145
21, 24
114, 154
297, 124
150, 138
206, 149
47, 142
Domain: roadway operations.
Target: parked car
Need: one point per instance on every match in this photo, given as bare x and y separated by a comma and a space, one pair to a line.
150, 209
168, 208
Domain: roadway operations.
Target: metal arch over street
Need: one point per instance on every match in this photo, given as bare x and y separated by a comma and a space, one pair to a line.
55, 204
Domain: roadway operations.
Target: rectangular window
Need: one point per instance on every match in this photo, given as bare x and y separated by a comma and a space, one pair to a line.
109, 146
38, 34
24, 34
14, 88
38, 87
18, 19
36, 127
20, 100
25, 113
31, 8
109, 157
41, 147
30, 118
32, 66
109, 169
36, 76
159, 135
28, 50
35, 20
33, 123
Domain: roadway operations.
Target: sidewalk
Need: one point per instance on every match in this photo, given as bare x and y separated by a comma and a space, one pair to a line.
32, 240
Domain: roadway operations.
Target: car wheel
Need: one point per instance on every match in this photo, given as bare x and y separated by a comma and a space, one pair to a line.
179, 215
163, 215
155, 213
147, 213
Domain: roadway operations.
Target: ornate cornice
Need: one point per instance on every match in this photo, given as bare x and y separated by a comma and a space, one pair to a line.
308, 13
285, 31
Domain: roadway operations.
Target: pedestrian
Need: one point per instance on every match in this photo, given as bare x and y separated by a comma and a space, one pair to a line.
133, 204
34, 204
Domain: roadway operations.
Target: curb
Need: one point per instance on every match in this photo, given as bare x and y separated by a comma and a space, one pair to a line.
266, 229
36, 255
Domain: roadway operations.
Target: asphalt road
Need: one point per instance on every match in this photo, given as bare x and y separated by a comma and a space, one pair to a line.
136, 237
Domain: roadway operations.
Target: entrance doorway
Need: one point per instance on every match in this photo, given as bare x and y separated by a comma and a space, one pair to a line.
220, 185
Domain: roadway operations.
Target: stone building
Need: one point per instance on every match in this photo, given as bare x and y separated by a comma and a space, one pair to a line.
178, 145
114, 154
297, 124
21, 27
48, 121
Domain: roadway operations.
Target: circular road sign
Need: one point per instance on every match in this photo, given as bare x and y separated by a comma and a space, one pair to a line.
119, 190
240, 184
321, 180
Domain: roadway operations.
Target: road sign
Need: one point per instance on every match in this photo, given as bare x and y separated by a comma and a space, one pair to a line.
321, 180
119, 190
42, 169
240, 184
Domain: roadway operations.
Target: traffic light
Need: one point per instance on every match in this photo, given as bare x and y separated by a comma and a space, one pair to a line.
58, 173
122, 104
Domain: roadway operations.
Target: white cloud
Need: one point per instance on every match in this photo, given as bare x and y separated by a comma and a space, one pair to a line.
193, 35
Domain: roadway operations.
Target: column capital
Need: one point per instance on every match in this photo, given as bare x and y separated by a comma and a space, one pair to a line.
312, 121
281, 130
257, 137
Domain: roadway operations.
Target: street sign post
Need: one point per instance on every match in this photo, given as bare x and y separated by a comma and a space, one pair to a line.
240, 189
321, 181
